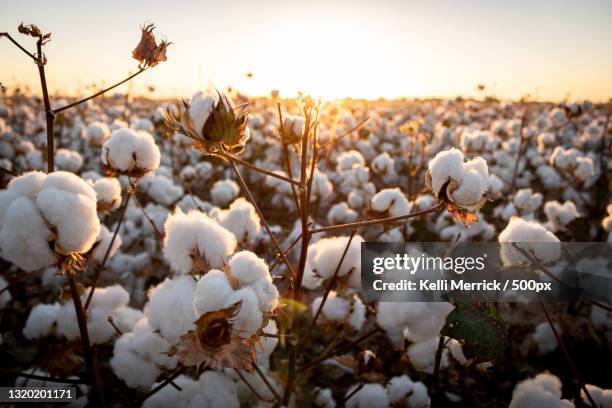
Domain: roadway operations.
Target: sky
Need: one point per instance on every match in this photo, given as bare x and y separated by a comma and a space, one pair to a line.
551, 50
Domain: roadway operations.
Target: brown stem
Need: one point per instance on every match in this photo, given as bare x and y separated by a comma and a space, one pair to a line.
49, 115
353, 225
519, 153
343, 135
279, 257
11, 39
438, 360
158, 233
111, 320
235, 159
80, 101
287, 157
93, 375
249, 195
99, 268
171, 377
566, 354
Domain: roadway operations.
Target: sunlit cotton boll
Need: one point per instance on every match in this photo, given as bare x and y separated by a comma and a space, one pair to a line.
339, 309
195, 243
542, 391
341, 213
560, 215
68, 160
131, 152
241, 219
108, 193
324, 257
391, 201
37, 208
224, 192
530, 236
97, 133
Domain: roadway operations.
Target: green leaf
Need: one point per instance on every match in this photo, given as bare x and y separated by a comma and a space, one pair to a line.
480, 330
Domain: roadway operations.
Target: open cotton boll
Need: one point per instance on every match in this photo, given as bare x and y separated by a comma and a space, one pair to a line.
247, 267
211, 292
143, 124
41, 320
138, 356
560, 215
324, 257
542, 391
341, 213
403, 392
422, 355
321, 186
131, 152
97, 133
108, 193
564, 159
293, 128
324, 398
391, 200
444, 166
383, 164
195, 243
241, 219
545, 337
423, 320
339, 309
161, 189
249, 318
549, 176
224, 192
199, 109
603, 398
531, 236
369, 396
68, 160
349, 160
170, 307
584, 168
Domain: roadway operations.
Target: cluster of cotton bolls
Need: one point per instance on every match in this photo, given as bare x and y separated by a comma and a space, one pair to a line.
399, 392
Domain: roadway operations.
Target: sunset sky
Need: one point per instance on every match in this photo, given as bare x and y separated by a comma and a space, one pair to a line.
388, 48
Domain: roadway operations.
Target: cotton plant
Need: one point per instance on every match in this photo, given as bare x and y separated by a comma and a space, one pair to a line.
524, 203
241, 219
338, 309
572, 163
400, 391
130, 152
224, 192
530, 236
560, 216
47, 219
161, 189
542, 390
108, 193
68, 160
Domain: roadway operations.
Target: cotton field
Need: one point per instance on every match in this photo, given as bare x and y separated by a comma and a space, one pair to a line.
206, 251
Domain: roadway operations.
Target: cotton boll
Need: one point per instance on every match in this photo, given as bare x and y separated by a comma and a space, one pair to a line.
143, 124
402, 391
444, 166
267, 345
41, 320
249, 318
335, 308
321, 186
560, 215
68, 160
531, 236
383, 164
324, 398
341, 213
108, 193
211, 292
370, 396
125, 318
214, 390
199, 109
242, 220
192, 235
422, 355
161, 189
170, 307
422, 320
584, 168
247, 267
391, 200
324, 257
267, 294
97, 133
542, 391
349, 160
131, 152
549, 177
224, 192
545, 338
170, 396
603, 398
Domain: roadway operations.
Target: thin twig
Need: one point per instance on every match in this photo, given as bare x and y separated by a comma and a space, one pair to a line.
11, 39
80, 101
158, 233
111, 320
266, 381
330, 228
171, 377
519, 153
343, 135
253, 390
235, 159
49, 115
279, 257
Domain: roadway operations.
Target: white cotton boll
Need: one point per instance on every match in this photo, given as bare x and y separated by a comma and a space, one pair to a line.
324, 257
531, 236
125, 318
603, 398
41, 320
108, 193
242, 220
132, 368
358, 314
170, 307
199, 109
527, 201
249, 318
542, 391
324, 398
564, 159
422, 355
194, 232
247, 267
402, 391
349, 160
545, 337
370, 396
391, 200
97, 133
335, 309
68, 160
130, 151
584, 168
211, 292
321, 186
24, 236
382, 164
5, 296
267, 345
549, 176
35, 160
424, 201
341, 213
143, 124
214, 390
170, 396
494, 185
456, 350
224, 192
471, 189
560, 215
444, 166
161, 189
423, 320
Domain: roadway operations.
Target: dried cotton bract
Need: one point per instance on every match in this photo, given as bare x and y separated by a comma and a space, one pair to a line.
148, 52
461, 185
131, 153
213, 122
47, 217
